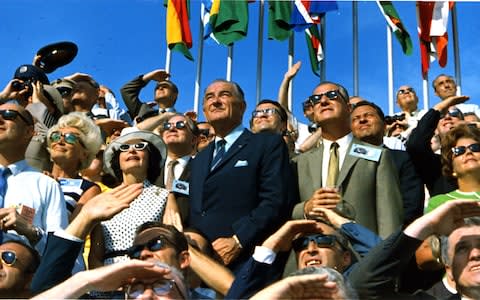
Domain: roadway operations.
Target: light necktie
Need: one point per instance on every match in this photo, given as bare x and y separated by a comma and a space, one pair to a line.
219, 155
170, 174
3, 190
333, 166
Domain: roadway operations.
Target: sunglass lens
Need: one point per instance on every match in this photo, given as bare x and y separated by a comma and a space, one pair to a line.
474, 147
9, 257
459, 150
140, 146
70, 138
124, 147
55, 136
9, 114
331, 95
156, 245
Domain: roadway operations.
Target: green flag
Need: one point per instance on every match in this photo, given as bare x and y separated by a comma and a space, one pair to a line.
393, 20
229, 20
279, 13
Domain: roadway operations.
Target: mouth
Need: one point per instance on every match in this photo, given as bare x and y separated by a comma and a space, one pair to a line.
313, 262
475, 268
133, 157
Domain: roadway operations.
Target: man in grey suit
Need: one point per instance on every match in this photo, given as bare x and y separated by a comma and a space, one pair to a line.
344, 172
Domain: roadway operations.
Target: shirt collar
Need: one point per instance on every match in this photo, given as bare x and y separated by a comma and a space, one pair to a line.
232, 136
18, 166
342, 142
182, 160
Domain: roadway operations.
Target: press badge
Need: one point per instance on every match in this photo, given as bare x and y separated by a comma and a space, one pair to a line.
71, 185
366, 152
179, 186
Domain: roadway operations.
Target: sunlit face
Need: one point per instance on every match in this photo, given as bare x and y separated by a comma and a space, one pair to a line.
14, 132
329, 110
445, 87
464, 255
466, 163
62, 152
448, 122
222, 105
14, 278
407, 99
133, 161
267, 122
367, 125
183, 136
84, 96
165, 94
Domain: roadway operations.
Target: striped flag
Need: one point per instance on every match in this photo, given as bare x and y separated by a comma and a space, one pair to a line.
179, 36
432, 32
393, 20
229, 20
315, 51
308, 12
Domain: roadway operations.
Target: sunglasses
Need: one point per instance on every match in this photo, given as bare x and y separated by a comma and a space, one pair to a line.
137, 147
331, 95
321, 240
64, 91
178, 125
264, 112
405, 91
459, 150
153, 245
8, 257
160, 288
11, 115
454, 113
69, 138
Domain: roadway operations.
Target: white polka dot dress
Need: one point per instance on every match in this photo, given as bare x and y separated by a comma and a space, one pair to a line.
119, 232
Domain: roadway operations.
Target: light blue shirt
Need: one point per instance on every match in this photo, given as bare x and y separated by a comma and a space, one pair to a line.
230, 139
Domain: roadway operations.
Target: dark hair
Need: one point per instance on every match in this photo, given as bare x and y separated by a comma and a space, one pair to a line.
449, 141
436, 78
175, 237
371, 104
236, 87
153, 169
281, 111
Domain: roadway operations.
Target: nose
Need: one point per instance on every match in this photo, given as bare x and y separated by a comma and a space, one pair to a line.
475, 253
145, 254
312, 247
147, 294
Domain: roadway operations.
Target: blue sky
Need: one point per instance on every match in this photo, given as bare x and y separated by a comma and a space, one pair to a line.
121, 39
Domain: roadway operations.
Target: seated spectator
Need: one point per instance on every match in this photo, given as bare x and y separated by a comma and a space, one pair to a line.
137, 157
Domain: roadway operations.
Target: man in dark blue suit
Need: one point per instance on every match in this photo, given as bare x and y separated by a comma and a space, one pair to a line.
239, 183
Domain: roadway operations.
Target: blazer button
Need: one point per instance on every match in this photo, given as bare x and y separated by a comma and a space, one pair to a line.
203, 214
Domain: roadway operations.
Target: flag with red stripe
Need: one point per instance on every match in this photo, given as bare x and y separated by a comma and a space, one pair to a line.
179, 36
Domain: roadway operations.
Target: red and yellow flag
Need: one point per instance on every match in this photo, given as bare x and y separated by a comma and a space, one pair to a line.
179, 36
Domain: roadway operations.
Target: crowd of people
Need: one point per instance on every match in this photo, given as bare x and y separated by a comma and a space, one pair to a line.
148, 202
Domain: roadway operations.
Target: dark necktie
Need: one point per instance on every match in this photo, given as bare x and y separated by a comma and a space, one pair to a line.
333, 166
170, 174
219, 155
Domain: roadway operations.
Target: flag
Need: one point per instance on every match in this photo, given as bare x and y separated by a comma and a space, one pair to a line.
179, 36
393, 20
279, 13
315, 51
229, 20
308, 12
432, 32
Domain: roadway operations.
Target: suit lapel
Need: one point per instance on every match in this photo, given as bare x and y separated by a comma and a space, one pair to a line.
186, 171
237, 146
348, 163
315, 162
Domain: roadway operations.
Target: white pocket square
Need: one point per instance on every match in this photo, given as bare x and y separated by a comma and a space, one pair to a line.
241, 163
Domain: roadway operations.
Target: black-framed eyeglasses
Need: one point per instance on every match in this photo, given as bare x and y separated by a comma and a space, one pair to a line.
155, 244
137, 146
11, 115
405, 91
454, 113
321, 240
160, 288
264, 112
459, 150
331, 95
178, 125
68, 137
8, 257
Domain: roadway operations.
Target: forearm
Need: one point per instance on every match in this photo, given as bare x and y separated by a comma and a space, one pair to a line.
130, 92
283, 93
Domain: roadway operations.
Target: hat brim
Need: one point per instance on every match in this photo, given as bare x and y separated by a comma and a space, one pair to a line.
56, 55
148, 136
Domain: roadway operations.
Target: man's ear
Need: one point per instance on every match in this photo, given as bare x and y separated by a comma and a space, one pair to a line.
184, 259
448, 271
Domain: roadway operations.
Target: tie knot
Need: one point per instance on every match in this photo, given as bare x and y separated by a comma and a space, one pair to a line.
172, 163
334, 146
5, 172
221, 143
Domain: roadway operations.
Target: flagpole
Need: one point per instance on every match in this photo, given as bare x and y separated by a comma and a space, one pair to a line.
456, 51
198, 76
291, 53
260, 51
355, 46
426, 106
323, 63
390, 70
229, 62
168, 58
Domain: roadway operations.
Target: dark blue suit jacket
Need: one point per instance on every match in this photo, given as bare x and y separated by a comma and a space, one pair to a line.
247, 194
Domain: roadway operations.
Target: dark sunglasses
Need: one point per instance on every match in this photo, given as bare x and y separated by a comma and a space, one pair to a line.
459, 150
204, 132
137, 147
405, 91
8, 257
11, 115
69, 138
64, 91
160, 288
178, 125
321, 240
331, 95
454, 113
264, 112
155, 244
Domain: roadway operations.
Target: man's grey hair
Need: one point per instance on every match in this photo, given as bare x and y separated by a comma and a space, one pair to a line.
434, 82
469, 222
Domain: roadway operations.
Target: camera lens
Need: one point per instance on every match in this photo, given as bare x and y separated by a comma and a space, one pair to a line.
18, 86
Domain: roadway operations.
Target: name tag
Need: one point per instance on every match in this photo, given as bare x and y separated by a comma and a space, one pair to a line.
365, 152
182, 187
71, 185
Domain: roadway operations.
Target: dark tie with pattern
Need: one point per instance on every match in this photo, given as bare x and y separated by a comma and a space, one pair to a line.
220, 153
333, 164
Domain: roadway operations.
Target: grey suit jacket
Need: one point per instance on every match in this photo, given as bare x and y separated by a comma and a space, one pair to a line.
371, 187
